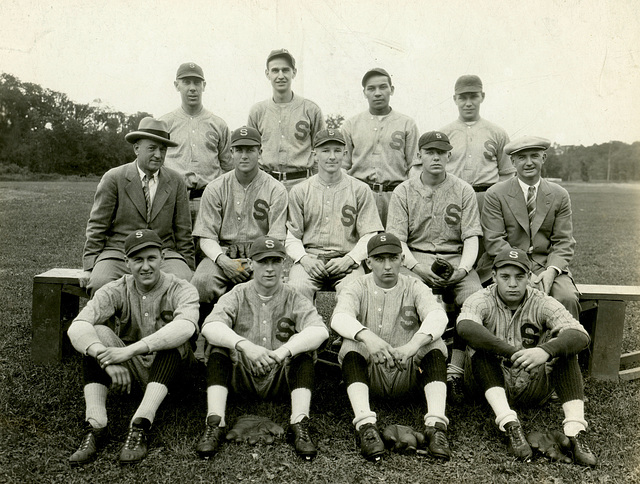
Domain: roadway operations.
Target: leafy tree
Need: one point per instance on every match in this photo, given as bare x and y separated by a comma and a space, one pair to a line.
334, 121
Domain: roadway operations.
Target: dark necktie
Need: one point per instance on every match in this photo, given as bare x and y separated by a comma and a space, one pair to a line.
147, 196
531, 204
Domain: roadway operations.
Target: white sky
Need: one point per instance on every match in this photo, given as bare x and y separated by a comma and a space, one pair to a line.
564, 69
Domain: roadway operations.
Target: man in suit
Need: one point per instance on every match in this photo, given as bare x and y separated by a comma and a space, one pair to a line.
533, 214
140, 194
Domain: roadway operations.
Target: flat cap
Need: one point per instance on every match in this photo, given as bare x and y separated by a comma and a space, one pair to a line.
527, 143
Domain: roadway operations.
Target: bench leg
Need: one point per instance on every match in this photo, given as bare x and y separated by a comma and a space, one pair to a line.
607, 340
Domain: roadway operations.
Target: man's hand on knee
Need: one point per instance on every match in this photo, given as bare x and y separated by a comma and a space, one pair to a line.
314, 266
120, 378
235, 269
529, 359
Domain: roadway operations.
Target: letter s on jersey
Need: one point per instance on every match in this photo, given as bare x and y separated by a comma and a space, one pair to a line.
348, 216
409, 318
260, 209
397, 140
492, 150
302, 130
285, 328
453, 214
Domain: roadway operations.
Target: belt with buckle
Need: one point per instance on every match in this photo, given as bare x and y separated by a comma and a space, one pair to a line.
433, 252
195, 193
383, 187
481, 188
289, 175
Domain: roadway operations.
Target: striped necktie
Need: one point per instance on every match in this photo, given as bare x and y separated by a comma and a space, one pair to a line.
147, 196
531, 204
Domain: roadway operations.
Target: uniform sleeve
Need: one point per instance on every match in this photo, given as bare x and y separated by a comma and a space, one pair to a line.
434, 318
278, 213
295, 217
311, 331
253, 121
411, 146
209, 218
368, 219
493, 227
224, 149
347, 311
105, 203
470, 216
346, 132
182, 225
480, 338
225, 310
294, 247
475, 308
398, 214
317, 121
561, 238
505, 166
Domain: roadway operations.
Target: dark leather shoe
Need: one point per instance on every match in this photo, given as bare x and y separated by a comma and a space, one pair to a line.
582, 454
212, 437
518, 445
135, 446
370, 442
298, 436
455, 391
438, 442
93, 439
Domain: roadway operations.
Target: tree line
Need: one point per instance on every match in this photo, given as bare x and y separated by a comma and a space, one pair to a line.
43, 131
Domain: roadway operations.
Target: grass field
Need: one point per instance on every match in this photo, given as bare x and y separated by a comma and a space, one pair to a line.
41, 408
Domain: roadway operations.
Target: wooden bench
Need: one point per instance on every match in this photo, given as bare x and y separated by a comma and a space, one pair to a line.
57, 293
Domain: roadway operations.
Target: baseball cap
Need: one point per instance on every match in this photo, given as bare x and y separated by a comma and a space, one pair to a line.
384, 243
434, 139
281, 53
327, 135
141, 239
468, 83
266, 246
246, 136
189, 69
153, 129
514, 257
527, 143
376, 71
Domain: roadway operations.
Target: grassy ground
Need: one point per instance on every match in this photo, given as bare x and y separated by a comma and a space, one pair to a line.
41, 408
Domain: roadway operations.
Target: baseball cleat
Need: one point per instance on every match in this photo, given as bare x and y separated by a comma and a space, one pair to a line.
88, 450
298, 436
212, 438
581, 452
370, 442
438, 443
518, 445
135, 446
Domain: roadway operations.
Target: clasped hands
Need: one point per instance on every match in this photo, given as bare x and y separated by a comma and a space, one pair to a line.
261, 359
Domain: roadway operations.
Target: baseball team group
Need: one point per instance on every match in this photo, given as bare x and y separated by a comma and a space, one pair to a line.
448, 252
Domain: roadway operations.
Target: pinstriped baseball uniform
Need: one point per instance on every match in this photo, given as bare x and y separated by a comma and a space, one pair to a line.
202, 154
287, 131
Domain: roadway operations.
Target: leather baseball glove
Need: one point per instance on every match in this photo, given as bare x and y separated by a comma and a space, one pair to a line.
253, 429
402, 439
553, 444
442, 268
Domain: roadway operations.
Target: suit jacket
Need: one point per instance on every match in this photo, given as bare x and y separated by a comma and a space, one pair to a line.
119, 208
505, 223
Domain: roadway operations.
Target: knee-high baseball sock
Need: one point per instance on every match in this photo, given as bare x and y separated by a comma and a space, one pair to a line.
95, 397
217, 402
359, 398
574, 420
151, 400
497, 399
436, 395
300, 404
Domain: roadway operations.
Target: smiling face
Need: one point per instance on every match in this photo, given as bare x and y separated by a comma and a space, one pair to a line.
512, 284
150, 155
378, 91
469, 105
528, 164
385, 269
329, 157
190, 89
280, 74
434, 160
145, 267
267, 274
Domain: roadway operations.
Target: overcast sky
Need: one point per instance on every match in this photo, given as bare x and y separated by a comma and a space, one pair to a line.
568, 70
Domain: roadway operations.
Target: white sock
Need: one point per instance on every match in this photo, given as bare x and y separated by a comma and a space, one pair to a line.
95, 397
497, 399
153, 396
358, 394
300, 404
217, 402
436, 394
574, 421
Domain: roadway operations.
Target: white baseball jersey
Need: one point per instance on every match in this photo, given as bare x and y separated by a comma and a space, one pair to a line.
287, 131
478, 155
271, 322
202, 154
434, 219
332, 218
394, 314
380, 149
232, 214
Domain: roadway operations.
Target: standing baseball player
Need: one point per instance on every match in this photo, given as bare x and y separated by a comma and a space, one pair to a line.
331, 218
263, 334
523, 344
533, 214
287, 123
202, 153
236, 208
436, 216
392, 327
381, 143
156, 315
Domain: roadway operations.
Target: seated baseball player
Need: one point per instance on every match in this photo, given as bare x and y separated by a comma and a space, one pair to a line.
392, 327
331, 217
157, 313
263, 334
235, 209
436, 217
142, 193
523, 344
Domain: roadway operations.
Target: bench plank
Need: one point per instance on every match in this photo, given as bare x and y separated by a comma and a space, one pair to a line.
609, 293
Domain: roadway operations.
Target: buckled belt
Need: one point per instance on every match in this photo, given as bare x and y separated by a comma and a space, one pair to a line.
289, 175
481, 188
434, 252
383, 187
195, 193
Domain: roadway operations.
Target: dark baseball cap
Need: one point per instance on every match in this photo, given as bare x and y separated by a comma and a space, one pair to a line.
189, 69
327, 135
281, 53
384, 243
141, 239
376, 71
512, 256
527, 143
246, 136
266, 246
434, 139
468, 83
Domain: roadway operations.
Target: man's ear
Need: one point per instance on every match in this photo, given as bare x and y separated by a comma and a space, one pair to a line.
368, 262
175, 83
